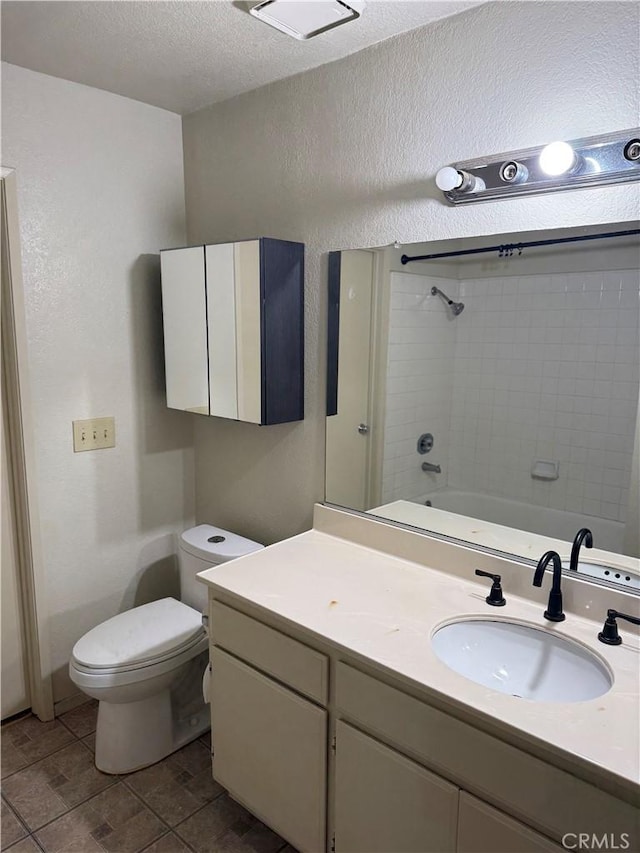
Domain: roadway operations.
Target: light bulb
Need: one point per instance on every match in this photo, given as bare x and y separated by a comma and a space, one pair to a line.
449, 179
557, 158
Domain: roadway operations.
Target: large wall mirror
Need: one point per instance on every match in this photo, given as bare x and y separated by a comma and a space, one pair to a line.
487, 390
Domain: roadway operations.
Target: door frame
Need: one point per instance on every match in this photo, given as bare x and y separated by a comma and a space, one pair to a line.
380, 308
21, 447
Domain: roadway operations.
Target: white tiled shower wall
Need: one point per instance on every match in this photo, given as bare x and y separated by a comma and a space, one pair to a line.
419, 383
544, 367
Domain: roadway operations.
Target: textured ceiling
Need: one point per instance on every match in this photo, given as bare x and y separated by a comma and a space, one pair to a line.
185, 55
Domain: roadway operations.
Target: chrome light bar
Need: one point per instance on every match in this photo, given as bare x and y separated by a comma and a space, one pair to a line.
611, 158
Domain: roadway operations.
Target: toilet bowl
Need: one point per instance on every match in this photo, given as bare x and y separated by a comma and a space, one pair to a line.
145, 666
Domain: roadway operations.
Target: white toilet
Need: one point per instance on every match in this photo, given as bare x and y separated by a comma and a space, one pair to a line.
146, 666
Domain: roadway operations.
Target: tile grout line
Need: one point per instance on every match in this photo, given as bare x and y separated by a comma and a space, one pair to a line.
70, 809
114, 781
172, 829
12, 808
155, 841
53, 752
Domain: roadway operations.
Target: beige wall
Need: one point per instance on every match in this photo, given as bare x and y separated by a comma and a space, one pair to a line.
344, 156
100, 191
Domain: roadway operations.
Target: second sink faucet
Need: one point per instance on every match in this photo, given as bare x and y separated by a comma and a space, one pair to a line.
583, 535
554, 608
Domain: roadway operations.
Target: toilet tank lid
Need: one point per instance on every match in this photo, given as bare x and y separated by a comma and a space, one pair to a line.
216, 544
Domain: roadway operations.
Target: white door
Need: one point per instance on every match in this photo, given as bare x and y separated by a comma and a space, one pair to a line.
15, 696
349, 431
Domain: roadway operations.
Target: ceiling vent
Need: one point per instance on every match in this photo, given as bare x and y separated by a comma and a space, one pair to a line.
304, 19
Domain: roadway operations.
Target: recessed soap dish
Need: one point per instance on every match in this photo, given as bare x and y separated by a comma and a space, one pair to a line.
545, 469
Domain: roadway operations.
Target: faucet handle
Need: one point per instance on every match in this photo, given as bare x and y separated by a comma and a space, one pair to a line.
495, 597
609, 633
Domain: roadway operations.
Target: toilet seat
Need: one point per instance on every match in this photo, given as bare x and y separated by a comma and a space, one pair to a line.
141, 643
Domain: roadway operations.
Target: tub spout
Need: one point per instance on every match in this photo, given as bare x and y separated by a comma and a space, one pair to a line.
435, 469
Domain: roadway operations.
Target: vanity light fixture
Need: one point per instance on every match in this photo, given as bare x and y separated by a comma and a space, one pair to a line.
611, 158
304, 19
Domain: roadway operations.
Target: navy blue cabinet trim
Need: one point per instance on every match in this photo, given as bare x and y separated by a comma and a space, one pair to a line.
333, 332
282, 330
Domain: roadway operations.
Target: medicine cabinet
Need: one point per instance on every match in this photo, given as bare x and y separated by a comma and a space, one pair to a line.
233, 329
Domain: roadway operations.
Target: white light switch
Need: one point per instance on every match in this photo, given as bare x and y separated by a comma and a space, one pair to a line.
94, 434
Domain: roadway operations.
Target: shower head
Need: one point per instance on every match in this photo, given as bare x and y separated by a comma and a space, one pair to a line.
456, 307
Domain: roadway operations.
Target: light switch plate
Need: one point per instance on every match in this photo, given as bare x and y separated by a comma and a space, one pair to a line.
94, 434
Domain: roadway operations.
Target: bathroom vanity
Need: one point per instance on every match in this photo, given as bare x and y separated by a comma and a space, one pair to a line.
336, 724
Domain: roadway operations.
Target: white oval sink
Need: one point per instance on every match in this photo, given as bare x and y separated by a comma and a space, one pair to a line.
522, 661
626, 577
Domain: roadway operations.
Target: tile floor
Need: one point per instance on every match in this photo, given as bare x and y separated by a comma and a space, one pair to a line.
55, 800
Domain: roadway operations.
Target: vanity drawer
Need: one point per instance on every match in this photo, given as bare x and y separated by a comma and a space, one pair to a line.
285, 659
531, 790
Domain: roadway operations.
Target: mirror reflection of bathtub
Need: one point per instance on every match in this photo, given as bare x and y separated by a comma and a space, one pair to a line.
530, 394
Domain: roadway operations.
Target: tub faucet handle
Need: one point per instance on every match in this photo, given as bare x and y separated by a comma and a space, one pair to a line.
495, 597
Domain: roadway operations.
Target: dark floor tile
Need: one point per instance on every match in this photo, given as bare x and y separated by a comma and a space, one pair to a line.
12, 829
179, 785
193, 757
82, 720
206, 739
27, 845
28, 740
258, 839
169, 843
114, 820
90, 742
261, 839
222, 817
51, 787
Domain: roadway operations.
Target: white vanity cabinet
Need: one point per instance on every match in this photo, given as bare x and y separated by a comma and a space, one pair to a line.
269, 741
385, 802
402, 775
520, 800
234, 329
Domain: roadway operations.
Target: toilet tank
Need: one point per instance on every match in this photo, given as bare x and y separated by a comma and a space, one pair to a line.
202, 547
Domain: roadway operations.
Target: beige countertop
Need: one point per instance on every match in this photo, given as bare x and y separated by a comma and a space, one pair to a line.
491, 535
384, 609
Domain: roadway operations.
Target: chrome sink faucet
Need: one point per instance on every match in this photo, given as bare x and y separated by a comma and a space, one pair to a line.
554, 608
585, 536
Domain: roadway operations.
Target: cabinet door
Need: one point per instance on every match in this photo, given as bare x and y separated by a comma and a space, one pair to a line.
269, 751
483, 829
185, 329
248, 330
221, 315
386, 802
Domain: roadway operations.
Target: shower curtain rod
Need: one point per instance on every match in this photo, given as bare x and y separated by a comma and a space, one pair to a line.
509, 248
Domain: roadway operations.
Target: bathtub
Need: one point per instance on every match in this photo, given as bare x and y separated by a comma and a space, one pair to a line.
554, 523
